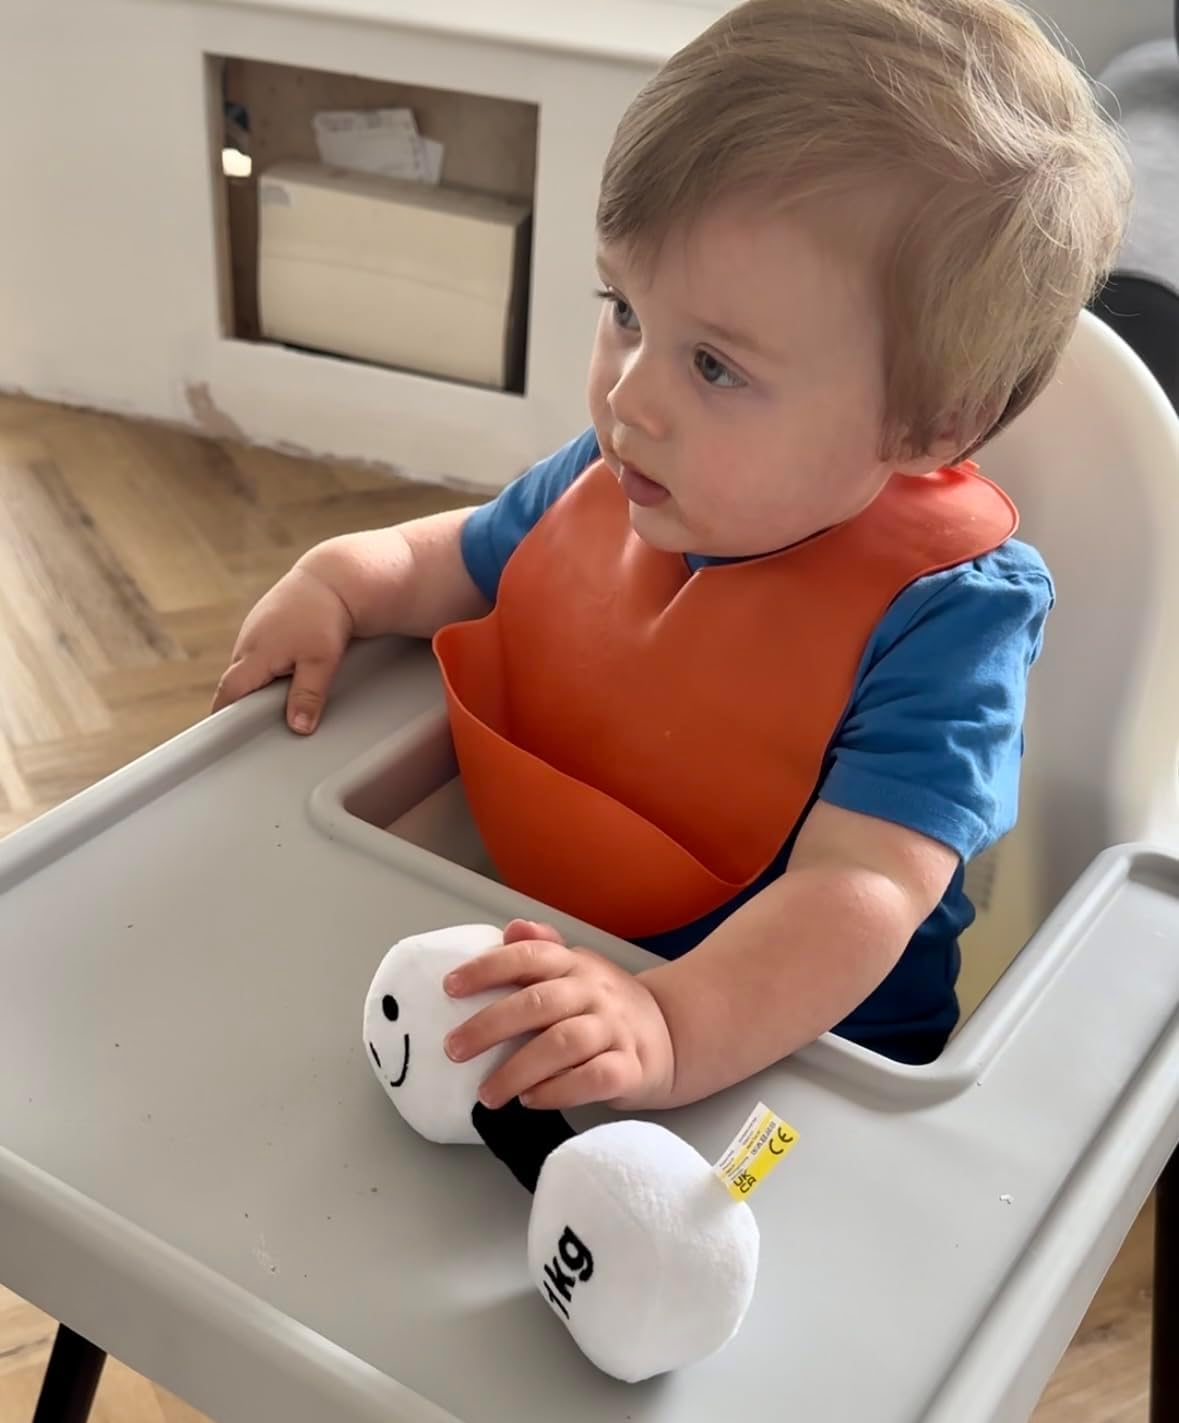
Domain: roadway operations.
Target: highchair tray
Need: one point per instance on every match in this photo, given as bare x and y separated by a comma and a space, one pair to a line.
199, 1173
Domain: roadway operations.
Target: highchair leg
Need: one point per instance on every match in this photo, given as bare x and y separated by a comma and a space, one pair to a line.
71, 1379
1164, 1365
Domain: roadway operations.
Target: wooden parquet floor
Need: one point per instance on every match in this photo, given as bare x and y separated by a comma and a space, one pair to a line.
128, 556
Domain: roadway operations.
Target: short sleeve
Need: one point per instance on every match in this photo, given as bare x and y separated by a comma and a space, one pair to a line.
933, 736
493, 530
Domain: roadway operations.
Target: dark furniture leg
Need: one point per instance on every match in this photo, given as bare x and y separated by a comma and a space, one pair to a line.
71, 1379
1164, 1358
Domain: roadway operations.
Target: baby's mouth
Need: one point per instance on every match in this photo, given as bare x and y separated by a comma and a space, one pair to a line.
639, 488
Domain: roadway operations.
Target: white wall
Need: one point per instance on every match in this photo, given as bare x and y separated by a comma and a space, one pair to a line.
109, 273
109, 279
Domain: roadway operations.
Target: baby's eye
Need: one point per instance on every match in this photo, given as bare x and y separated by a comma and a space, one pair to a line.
716, 372
624, 313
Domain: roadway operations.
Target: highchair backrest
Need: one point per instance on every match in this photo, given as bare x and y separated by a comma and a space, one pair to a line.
1094, 466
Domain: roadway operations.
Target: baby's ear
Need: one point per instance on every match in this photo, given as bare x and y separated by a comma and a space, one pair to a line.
954, 440
522, 1139
947, 448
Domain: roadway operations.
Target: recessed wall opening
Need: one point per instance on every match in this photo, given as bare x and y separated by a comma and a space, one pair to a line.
378, 222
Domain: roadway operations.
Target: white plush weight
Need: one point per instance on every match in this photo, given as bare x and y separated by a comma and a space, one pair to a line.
640, 1249
408, 1013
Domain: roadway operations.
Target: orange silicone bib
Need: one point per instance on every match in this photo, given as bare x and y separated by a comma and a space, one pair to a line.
636, 740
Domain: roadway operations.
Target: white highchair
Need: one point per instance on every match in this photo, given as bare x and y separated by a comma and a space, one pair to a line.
1094, 467
1002, 1182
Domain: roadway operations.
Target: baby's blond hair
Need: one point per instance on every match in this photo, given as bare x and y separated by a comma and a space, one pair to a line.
1020, 184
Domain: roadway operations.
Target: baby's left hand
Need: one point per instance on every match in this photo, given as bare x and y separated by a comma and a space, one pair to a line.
600, 1034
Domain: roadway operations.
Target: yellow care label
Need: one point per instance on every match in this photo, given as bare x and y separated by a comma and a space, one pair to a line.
762, 1142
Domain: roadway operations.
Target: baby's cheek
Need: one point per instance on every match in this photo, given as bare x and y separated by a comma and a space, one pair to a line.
601, 379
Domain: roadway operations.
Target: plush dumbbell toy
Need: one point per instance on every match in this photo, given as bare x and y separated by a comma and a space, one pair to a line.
633, 1240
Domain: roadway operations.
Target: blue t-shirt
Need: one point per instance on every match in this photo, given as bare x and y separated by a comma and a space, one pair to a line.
932, 737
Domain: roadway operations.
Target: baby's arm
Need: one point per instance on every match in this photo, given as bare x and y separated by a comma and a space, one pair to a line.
408, 579
801, 955
780, 971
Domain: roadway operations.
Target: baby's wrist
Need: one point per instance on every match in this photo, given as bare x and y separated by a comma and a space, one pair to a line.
656, 1052
331, 562
338, 569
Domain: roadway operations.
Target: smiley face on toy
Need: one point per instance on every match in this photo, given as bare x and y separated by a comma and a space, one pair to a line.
408, 1013
392, 1011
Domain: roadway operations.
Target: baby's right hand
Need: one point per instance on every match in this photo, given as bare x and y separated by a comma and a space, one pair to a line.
301, 626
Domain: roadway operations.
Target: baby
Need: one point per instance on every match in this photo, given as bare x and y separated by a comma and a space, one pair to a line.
739, 673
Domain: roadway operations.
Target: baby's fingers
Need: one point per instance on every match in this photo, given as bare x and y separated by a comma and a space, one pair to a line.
309, 688
241, 677
531, 1010
519, 964
605, 1078
521, 929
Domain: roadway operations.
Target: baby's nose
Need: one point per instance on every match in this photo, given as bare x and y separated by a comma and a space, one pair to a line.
639, 403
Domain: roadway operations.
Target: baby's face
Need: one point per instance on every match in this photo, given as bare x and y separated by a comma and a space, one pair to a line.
741, 372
